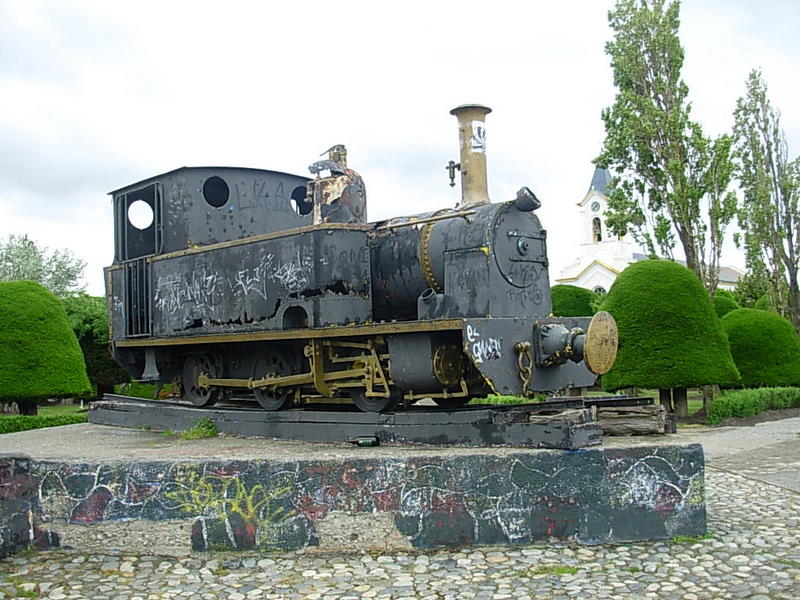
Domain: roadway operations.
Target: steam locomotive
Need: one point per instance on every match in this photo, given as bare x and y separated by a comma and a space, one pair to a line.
231, 280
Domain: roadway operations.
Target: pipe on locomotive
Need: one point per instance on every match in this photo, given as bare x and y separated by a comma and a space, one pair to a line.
472, 144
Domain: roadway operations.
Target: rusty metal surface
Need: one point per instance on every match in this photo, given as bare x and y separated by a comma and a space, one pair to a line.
340, 198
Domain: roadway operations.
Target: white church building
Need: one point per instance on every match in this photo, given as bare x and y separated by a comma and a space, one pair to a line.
604, 255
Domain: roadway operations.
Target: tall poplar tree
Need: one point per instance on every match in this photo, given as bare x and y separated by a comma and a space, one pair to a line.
669, 178
770, 209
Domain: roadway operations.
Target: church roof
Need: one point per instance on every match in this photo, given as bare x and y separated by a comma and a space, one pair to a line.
726, 274
600, 180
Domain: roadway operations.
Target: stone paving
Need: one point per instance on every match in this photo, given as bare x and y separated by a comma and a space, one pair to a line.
752, 551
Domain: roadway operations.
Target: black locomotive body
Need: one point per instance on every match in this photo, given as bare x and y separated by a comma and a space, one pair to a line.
245, 279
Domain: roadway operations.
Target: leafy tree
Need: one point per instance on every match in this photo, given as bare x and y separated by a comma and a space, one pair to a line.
669, 177
669, 336
770, 210
573, 301
764, 346
765, 303
750, 288
39, 355
88, 317
22, 260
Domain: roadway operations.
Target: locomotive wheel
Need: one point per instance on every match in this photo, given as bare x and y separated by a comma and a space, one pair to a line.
271, 363
451, 402
374, 404
194, 366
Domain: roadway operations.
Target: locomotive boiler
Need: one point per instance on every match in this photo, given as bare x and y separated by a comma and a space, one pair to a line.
229, 280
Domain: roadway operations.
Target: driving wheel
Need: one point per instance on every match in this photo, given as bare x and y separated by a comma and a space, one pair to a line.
374, 403
194, 366
272, 364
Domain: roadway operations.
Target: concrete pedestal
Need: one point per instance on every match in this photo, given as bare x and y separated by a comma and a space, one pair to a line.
234, 494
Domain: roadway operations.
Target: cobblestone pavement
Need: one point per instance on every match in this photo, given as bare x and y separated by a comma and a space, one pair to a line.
752, 551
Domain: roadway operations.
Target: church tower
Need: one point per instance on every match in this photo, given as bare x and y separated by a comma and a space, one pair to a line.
603, 255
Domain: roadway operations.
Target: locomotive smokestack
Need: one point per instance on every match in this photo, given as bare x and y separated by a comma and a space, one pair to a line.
472, 140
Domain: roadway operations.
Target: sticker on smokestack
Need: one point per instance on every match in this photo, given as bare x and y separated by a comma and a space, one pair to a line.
479, 137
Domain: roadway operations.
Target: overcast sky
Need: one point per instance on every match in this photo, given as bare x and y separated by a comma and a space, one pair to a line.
97, 95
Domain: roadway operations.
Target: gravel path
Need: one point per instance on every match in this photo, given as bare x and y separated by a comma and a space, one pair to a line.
752, 551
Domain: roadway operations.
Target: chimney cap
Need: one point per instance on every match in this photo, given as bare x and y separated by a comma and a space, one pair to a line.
486, 110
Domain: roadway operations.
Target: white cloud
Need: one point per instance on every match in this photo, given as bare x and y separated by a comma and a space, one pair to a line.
96, 95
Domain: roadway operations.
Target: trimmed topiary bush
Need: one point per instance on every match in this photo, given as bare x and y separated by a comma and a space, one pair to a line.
724, 303
573, 301
39, 355
669, 336
764, 346
746, 403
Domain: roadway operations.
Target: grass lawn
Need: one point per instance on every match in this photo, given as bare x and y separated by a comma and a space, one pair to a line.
56, 410
61, 409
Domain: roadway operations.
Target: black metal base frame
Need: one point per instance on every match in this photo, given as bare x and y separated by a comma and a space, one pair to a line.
520, 425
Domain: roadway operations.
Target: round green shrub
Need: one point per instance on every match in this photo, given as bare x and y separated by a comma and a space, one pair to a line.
669, 335
39, 355
573, 301
764, 346
726, 293
724, 303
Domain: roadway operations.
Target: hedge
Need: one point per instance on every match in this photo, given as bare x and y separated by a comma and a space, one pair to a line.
573, 301
669, 335
764, 346
746, 403
24, 423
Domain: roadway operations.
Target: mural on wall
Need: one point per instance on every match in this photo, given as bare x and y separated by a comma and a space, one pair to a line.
591, 496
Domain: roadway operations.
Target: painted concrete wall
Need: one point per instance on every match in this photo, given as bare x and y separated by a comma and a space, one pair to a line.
589, 496
19, 488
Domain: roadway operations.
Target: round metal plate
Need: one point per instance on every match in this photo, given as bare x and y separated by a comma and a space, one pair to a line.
519, 247
600, 348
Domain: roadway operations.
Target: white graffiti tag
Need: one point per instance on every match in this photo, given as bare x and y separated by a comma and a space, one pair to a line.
292, 276
482, 349
252, 280
172, 292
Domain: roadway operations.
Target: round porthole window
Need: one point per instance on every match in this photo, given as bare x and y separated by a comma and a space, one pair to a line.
140, 214
299, 202
215, 191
